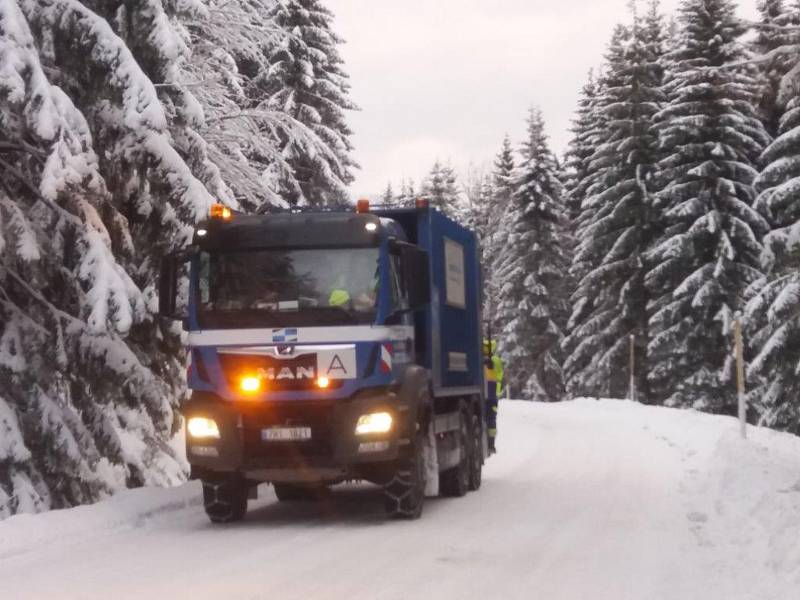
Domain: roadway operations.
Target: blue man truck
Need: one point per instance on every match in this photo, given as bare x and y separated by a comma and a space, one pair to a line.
328, 347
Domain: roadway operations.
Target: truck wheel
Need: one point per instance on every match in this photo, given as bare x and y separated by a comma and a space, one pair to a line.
298, 492
404, 494
225, 498
476, 454
455, 482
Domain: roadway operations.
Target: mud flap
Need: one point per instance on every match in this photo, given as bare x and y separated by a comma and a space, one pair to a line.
431, 465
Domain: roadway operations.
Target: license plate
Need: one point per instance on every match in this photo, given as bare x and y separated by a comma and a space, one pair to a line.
286, 434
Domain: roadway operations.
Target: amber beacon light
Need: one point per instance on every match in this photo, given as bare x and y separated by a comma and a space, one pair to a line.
250, 384
220, 211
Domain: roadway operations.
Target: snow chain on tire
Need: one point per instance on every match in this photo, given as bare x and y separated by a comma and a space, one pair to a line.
225, 499
404, 494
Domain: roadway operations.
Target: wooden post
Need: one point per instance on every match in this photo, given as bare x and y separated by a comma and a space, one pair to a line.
632, 367
737, 331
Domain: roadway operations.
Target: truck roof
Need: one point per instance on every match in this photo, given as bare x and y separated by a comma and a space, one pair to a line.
296, 230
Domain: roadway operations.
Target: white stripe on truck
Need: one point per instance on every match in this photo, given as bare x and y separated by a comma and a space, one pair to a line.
305, 335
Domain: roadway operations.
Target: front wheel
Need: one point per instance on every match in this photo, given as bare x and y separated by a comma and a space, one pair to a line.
225, 498
404, 494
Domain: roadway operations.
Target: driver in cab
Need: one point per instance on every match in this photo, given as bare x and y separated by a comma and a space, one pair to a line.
352, 287
364, 300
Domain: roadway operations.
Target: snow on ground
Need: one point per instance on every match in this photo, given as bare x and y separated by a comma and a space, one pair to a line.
585, 500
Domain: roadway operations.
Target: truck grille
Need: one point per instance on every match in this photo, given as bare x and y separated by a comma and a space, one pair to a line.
234, 365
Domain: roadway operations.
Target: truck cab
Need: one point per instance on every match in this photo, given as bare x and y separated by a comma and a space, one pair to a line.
330, 346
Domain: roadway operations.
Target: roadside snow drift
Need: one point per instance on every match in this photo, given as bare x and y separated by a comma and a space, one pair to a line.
585, 500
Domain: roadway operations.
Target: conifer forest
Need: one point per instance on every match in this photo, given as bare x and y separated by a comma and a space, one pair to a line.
674, 211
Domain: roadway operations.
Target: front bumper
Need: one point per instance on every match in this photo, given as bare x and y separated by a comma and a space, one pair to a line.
334, 452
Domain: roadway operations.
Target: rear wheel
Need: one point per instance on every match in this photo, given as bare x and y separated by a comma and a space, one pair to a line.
476, 454
225, 498
404, 494
455, 481
300, 492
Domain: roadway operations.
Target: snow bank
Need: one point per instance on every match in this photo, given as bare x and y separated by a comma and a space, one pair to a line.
747, 507
129, 509
741, 496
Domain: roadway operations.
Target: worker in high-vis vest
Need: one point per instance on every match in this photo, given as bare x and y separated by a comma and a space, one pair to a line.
497, 364
362, 301
493, 373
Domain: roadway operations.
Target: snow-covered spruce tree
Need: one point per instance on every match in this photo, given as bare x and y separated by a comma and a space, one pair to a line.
87, 379
707, 255
775, 47
487, 196
496, 211
478, 215
307, 81
231, 43
774, 308
441, 190
581, 147
388, 197
475, 201
580, 173
610, 301
532, 303
502, 174
501, 188
407, 194
583, 175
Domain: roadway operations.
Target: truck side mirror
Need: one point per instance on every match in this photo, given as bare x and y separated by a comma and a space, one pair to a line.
416, 276
168, 285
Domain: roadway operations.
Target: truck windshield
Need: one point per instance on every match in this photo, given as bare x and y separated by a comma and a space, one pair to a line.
288, 287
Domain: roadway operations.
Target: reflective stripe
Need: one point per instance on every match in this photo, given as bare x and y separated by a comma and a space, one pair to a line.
319, 335
494, 409
493, 433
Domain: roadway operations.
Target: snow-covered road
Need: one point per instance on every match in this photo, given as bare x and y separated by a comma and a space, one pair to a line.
585, 500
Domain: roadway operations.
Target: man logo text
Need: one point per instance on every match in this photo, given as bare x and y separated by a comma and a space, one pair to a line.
272, 374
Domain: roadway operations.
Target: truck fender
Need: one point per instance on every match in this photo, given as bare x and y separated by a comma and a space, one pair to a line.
414, 399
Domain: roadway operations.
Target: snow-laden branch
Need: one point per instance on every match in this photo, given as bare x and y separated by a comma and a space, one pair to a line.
769, 26
12, 170
772, 55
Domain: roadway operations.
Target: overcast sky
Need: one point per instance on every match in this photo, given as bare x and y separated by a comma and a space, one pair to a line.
448, 78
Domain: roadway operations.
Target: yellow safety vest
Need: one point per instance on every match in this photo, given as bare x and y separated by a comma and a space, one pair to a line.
338, 297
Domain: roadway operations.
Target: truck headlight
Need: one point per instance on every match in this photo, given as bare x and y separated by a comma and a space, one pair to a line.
379, 422
201, 427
